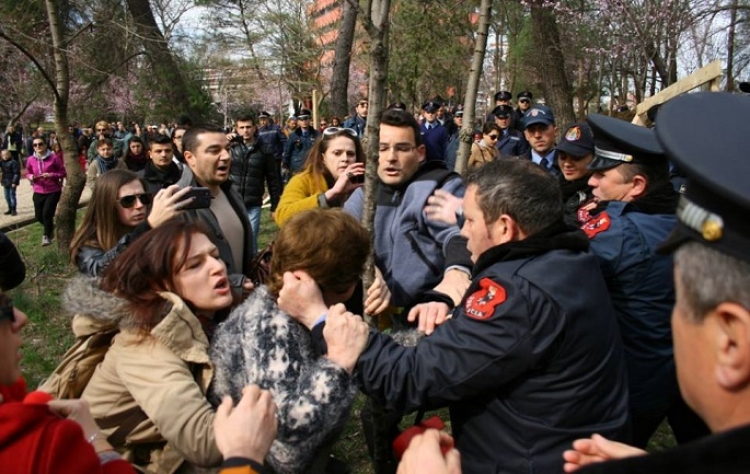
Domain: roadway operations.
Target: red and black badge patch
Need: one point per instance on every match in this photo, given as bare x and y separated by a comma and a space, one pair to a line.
482, 303
597, 225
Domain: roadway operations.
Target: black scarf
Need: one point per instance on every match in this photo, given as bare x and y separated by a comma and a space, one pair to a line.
168, 177
558, 236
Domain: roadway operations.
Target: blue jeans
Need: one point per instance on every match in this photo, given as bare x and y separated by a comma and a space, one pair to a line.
254, 215
10, 197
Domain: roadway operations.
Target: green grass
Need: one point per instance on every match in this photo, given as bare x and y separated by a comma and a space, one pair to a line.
48, 335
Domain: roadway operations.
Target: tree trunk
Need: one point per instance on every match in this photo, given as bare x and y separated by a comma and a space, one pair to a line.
472, 85
171, 84
551, 64
71, 194
730, 46
342, 59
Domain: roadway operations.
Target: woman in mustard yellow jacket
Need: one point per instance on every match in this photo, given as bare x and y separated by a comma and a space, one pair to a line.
333, 170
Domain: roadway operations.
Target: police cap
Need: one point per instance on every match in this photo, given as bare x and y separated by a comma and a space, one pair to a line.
525, 95
617, 141
503, 95
304, 114
502, 111
538, 114
430, 106
264, 114
712, 153
577, 141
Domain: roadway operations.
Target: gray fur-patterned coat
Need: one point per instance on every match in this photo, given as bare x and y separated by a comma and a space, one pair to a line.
260, 344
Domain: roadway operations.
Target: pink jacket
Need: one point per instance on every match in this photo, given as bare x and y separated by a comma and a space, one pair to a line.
53, 165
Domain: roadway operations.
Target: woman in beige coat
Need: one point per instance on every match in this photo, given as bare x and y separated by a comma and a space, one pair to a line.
484, 151
148, 395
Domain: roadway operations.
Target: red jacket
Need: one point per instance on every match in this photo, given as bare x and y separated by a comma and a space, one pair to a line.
36, 441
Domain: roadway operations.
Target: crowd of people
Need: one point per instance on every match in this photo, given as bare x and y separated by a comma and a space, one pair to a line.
536, 296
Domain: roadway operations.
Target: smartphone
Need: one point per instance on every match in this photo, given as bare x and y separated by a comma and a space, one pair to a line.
202, 199
357, 179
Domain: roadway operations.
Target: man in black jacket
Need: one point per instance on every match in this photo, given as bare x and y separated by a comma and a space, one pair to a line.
161, 170
253, 167
529, 358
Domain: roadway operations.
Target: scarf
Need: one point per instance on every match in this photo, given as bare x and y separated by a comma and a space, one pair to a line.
106, 165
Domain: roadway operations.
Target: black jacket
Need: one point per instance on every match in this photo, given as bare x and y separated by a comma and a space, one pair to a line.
157, 179
251, 170
12, 268
529, 362
11, 171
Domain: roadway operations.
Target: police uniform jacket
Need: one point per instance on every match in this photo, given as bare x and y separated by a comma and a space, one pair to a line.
435, 138
411, 251
625, 239
272, 140
513, 143
297, 148
528, 363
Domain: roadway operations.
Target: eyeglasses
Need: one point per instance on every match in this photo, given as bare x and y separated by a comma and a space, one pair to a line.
397, 148
129, 201
524, 101
492, 137
336, 130
38, 144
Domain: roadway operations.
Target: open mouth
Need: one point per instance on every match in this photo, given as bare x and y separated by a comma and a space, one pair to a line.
222, 286
223, 168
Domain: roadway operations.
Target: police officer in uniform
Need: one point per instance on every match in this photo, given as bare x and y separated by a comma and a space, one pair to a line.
524, 99
512, 142
635, 213
711, 318
528, 360
434, 135
299, 143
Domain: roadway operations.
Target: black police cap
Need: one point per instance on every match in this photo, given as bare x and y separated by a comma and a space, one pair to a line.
502, 111
431, 106
617, 142
712, 153
525, 95
503, 95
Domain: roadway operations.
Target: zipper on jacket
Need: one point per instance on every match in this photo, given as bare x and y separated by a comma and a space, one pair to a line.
415, 247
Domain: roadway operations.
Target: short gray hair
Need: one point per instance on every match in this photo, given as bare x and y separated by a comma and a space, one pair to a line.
520, 189
710, 278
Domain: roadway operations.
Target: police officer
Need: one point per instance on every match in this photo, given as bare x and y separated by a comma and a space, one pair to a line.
524, 99
512, 142
271, 137
501, 98
299, 143
541, 132
711, 318
574, 155
453, 142
635, 213
528, 360
434, 135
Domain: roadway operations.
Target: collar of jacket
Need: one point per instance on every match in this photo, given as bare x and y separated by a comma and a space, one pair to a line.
663, 199
559, 236
387, 193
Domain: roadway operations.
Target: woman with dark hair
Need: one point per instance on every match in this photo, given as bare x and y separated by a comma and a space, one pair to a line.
260, 344
484, 151
116, 216
46, 171
166, 296
135, 156
333, 170
575, 151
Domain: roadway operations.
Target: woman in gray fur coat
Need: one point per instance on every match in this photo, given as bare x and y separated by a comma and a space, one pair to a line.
260, 344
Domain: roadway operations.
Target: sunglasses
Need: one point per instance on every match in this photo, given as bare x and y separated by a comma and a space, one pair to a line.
493, 137
38, 144
524, 101
129, 201
336, 130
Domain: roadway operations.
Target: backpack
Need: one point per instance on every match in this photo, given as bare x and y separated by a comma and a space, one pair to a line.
71, 376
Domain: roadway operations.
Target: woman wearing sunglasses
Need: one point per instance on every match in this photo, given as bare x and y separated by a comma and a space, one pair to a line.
46, 171
334, 168
574, 153
484, 151
116, 216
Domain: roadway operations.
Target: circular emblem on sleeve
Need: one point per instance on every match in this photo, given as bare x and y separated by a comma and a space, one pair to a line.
482, 303
596, 225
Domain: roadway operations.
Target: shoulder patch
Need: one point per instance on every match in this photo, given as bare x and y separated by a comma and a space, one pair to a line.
481, 304
598, 224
